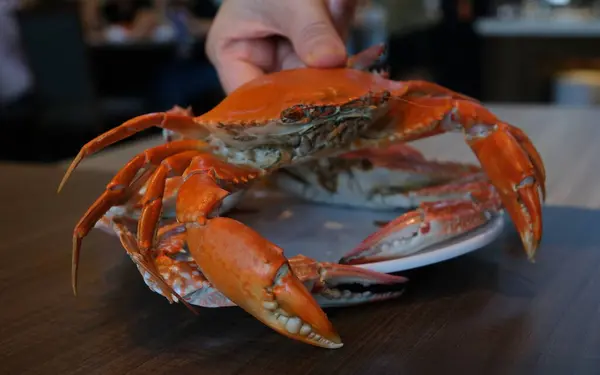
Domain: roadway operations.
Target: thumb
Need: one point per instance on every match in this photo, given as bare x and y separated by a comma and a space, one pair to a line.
313, 34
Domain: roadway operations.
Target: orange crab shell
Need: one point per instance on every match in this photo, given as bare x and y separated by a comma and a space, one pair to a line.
281, 95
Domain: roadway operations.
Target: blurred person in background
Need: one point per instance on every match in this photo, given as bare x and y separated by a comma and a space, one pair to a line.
16, 80
190, 79
120, 20
435, 40
197, 15
409, 27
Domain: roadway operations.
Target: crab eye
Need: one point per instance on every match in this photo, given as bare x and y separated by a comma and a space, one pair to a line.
323, 111
354, 105
293, 114
384, 97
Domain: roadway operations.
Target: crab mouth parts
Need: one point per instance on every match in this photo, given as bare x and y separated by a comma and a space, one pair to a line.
296, 326
331, 133
314, 139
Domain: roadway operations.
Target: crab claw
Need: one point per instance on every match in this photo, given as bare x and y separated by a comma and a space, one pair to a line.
335, 285
254, 274
517, 171
431, 223
507, 156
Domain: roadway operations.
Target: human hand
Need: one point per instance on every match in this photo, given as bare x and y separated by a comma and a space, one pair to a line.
249, 38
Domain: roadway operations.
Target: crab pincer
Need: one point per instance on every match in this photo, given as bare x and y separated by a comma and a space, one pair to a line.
255, 275
248, 269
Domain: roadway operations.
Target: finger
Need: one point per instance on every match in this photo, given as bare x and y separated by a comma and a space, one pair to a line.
234, 73
287, 57
237, 44
312, 33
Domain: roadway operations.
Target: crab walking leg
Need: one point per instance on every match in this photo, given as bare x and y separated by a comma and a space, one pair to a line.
172, 120
175, 279
469, 204
119, 191
251, 271
152, 201
152, 274
204, 164
512, 169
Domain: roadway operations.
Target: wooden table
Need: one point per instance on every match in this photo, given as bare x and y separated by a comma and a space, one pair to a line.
489, 312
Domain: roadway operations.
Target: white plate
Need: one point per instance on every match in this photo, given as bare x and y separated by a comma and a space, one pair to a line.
326, 233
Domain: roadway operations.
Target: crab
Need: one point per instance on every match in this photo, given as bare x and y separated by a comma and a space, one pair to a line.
167, 203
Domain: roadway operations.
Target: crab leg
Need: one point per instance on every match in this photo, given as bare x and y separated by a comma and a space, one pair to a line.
175, 120
120, 189
168, 271
152, 271
513, 166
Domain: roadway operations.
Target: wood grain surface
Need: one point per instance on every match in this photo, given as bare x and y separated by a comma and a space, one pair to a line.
489, 312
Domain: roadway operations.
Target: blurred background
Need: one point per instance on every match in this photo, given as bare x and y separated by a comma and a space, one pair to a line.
70, 70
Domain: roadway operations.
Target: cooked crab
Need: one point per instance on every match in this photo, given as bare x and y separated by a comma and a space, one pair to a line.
281, 120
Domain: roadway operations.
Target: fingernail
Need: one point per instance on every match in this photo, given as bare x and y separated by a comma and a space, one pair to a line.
326, 53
